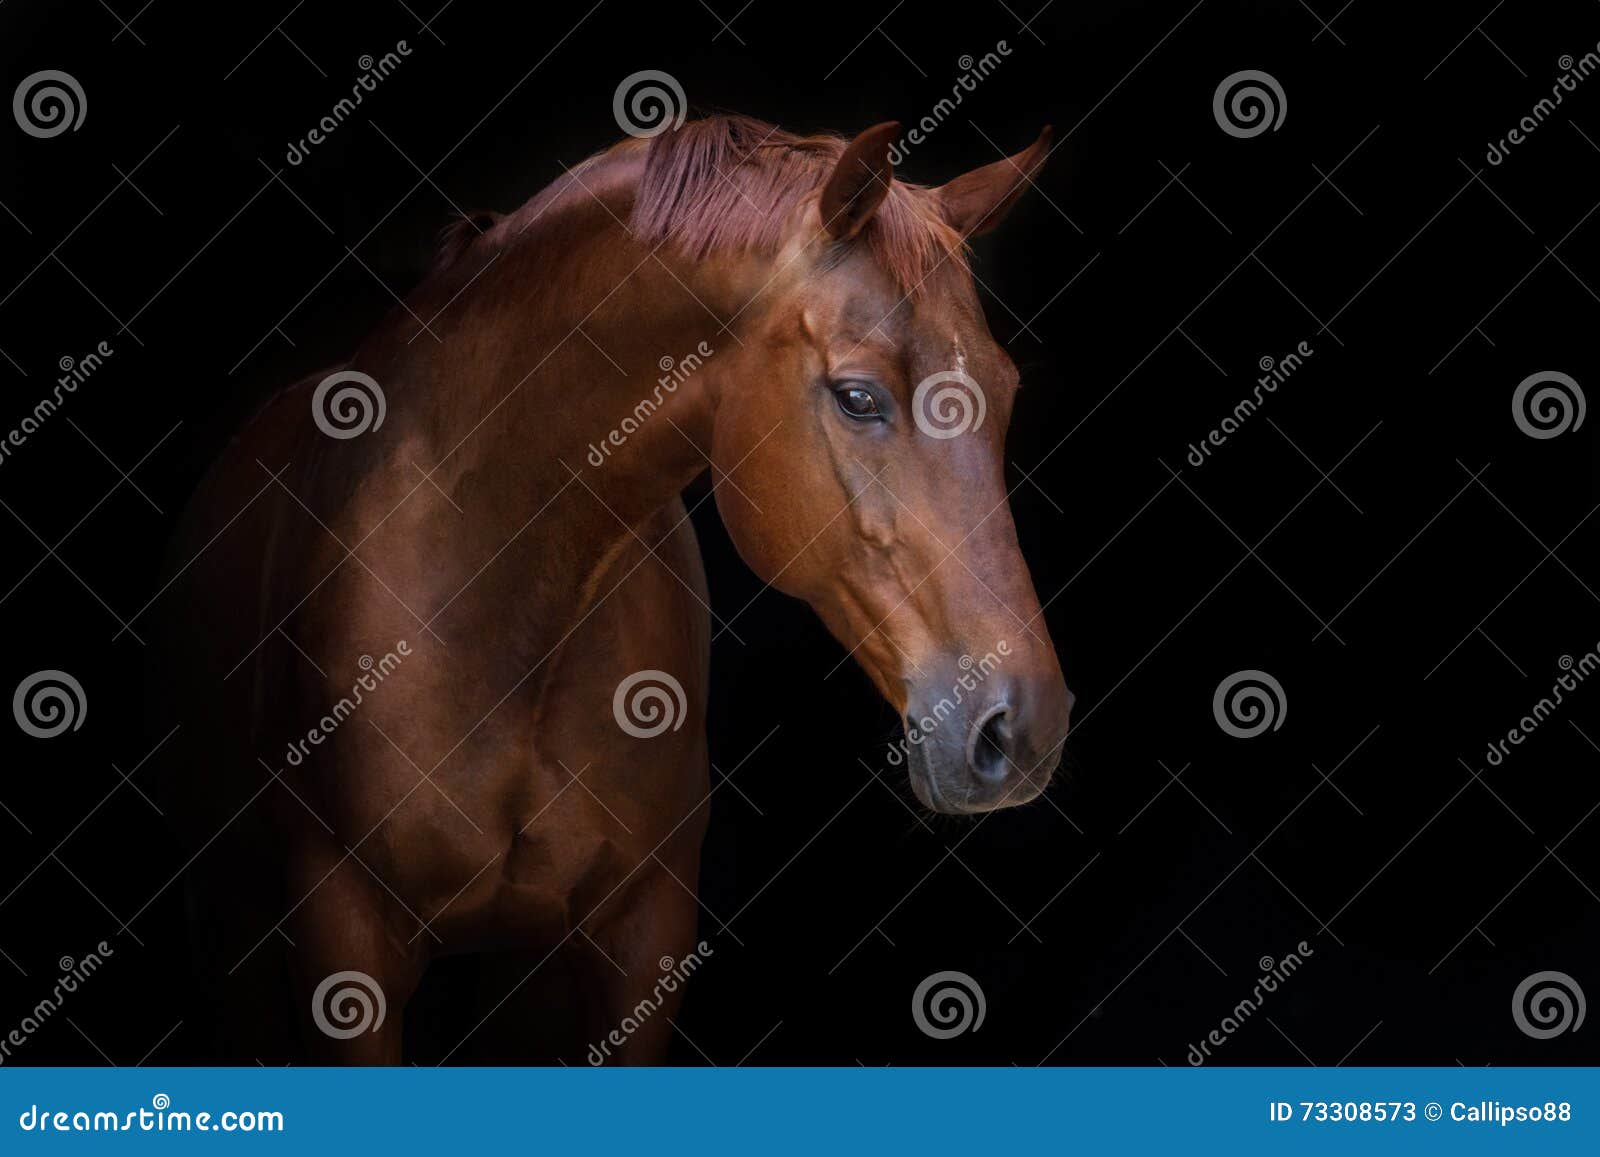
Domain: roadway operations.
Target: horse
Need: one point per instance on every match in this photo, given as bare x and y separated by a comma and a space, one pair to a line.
436, 630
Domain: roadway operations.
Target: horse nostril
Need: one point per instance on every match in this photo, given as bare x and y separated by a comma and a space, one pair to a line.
988, 748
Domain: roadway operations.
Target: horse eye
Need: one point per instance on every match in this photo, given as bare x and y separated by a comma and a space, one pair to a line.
857, 403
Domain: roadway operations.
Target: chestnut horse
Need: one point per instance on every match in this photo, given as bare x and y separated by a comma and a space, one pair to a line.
438, 634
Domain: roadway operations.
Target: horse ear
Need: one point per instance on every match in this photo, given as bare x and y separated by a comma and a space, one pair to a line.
860, 181
975, 202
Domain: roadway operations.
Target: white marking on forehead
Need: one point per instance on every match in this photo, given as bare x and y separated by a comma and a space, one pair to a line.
961, 355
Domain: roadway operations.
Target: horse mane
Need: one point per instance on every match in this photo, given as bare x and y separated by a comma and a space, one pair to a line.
730, 184
457, 237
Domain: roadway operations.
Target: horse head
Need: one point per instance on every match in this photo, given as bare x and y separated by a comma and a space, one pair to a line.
865, 412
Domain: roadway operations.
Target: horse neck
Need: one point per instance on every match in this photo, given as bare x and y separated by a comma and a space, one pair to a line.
551, 388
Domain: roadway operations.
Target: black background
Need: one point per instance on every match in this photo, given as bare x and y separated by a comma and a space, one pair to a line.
1121, 918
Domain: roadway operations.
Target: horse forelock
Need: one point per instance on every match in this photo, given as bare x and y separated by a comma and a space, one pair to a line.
729, 184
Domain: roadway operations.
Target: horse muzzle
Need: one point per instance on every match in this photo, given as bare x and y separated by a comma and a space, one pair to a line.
995, 748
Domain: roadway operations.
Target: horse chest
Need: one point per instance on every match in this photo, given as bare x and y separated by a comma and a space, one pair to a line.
548, 885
